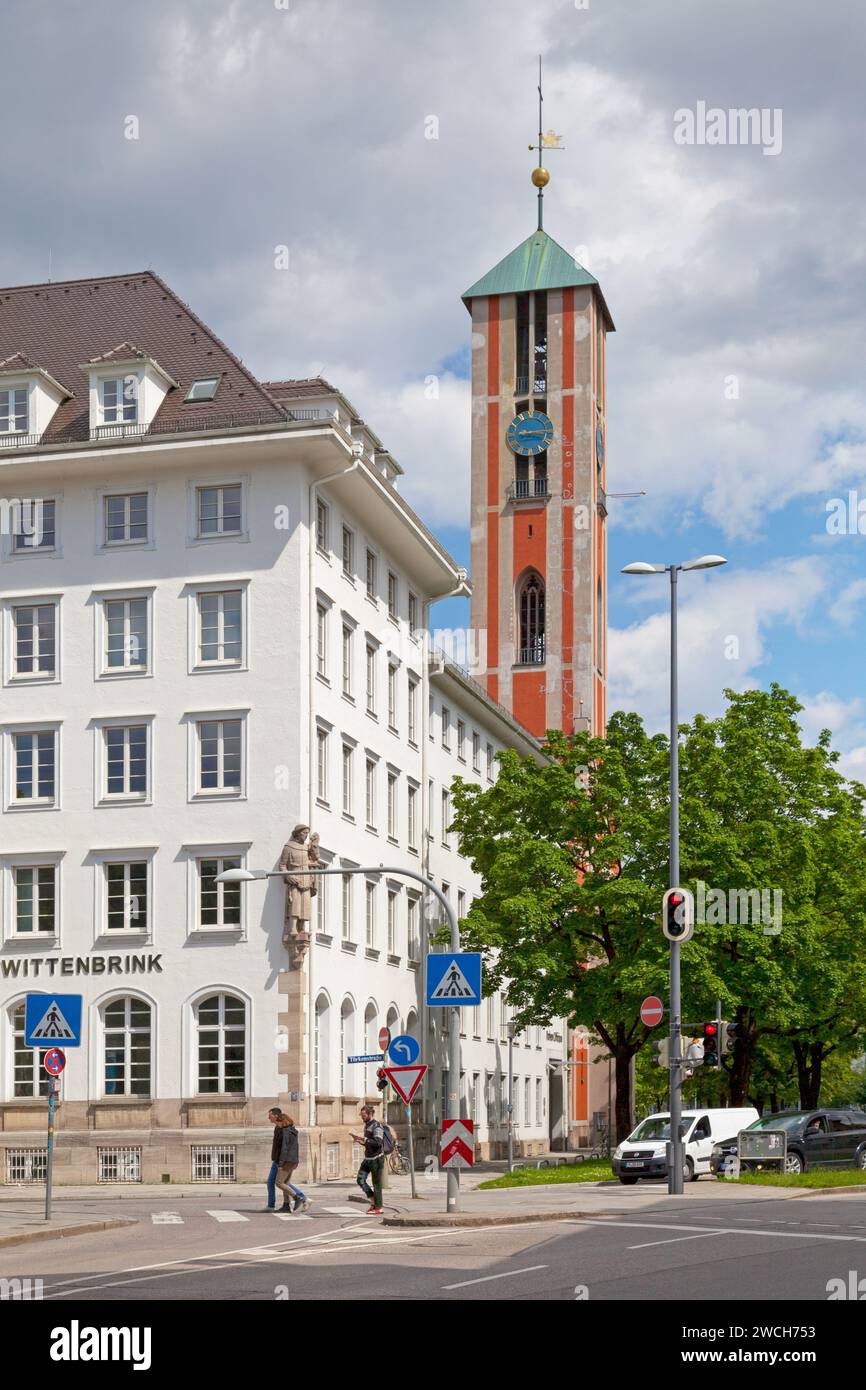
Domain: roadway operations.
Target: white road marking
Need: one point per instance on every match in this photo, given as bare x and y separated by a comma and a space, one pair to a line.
228, 1216
290, 1216
672, 1240
166, 1218
338, 1211
710, 1230
488, 1278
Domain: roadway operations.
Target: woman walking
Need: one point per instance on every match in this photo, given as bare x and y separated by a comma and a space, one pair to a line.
289, 1158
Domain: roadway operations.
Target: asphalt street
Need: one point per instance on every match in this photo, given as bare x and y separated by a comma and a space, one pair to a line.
209, 1248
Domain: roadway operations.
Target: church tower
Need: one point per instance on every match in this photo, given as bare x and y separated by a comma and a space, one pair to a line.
539, 605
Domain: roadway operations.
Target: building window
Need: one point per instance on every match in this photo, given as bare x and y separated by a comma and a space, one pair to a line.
29, 1077
322, 908
126, 645
321, 1046
13, 410
446, 817
412, 818
430, 808
35, 759
392, 596
347, 1043
347, 661
490, 762
221, 1045
392, 805
413, 915
126, 1035
370, 794
35, 524
491, 1018
204, 389
392, 698
124, 518
219, 904
461, 904
321, 525
35, 892
538, 1116
220, 631
461, 740
371, 680
34, 639
126, 760
371, 575
347, 907
348, 553
413, 710
219, 510
126, 899
321, 641
119, 400
392, 922
322, 765
370, 915
446, 728
599, 629
530, 607
430, 710
347, 780
476, 752
413, 614
219, 755
526, 1097
474, 1088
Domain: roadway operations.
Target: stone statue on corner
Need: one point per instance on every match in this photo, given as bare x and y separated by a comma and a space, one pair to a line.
299, 855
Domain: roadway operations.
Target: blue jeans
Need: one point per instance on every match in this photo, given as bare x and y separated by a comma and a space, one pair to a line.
272, 1185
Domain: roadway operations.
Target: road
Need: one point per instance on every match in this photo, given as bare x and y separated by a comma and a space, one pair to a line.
208, 1248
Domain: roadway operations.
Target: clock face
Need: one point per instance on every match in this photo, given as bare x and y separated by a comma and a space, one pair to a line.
599, 444
530, 432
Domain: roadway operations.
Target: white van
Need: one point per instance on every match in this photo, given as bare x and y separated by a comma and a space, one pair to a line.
644, 1153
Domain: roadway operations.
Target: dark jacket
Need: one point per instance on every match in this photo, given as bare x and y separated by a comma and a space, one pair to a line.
374, 1139
275, 1146
289, 1147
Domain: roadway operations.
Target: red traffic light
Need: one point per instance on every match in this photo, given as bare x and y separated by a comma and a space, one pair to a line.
677, 899
710, 1030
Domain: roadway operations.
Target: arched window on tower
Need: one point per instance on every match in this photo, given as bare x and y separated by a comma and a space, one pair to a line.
530, 609
599, 629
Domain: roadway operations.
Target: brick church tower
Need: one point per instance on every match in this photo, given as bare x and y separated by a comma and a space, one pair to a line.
539, 325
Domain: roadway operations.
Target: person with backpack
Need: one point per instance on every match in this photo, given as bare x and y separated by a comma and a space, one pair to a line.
377, 1140
288, 1160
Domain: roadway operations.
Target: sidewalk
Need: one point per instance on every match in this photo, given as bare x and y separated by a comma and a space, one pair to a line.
22, 1227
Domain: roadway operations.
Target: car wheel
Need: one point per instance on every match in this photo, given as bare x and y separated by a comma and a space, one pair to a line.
860, 1161
629, 1182
689, 1174
794, 1164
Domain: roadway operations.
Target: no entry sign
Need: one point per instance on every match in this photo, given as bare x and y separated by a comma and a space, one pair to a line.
384, 1038
652, 1011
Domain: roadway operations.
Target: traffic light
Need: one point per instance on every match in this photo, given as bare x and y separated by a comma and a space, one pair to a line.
711, 1045
662, 1052
730, 1033
381, 1079
678, 914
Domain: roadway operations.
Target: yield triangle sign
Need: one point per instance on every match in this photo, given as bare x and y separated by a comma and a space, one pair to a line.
406, 1080
453, 985
53, 1025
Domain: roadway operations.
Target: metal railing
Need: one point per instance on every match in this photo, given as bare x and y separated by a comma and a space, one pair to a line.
527, 489
537, 385
16, 439
532, 655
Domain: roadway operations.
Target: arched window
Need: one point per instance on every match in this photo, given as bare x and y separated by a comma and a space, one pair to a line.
221, 1025
29, 1075
530, 608
347, 1041
371, 1043
322, 1046
599, 629
126, 1032
412, 1023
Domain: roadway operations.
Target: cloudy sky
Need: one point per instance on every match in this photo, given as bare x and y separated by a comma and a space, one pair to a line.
735, 277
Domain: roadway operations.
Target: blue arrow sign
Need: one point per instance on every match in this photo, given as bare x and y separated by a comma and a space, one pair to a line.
404, 1050
453, 977
366, 1057
52, 1020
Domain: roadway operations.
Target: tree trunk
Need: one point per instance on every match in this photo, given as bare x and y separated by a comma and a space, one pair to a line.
622, 1069
744, 1056
810, 1058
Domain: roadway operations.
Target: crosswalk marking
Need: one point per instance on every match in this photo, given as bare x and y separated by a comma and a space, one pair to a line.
339, 1211
289, 1216
166, 1218
228, 1216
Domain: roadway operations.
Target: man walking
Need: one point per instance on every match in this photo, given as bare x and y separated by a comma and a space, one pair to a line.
274, 1115
287, 1161
373, 1161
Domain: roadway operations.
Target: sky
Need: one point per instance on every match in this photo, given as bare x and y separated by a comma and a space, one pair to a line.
384, 146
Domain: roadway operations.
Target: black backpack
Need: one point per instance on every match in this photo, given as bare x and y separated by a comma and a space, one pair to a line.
388, 1141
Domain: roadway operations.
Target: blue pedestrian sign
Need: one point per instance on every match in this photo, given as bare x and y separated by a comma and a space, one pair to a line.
454, 977
52, 1019
404, 1050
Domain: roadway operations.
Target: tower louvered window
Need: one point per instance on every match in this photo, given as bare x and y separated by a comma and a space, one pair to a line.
531, 611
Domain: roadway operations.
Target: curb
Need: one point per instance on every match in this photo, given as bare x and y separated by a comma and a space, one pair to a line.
833, 1191
83, 1228
460, 1218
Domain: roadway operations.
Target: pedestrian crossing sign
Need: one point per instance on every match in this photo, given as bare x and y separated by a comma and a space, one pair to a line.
52, 1020
454, 977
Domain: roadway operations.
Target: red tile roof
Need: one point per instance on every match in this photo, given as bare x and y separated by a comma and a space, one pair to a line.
303, 386
62, 325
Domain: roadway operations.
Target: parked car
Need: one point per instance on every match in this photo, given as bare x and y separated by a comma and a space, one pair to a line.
644, 1153
815, 1139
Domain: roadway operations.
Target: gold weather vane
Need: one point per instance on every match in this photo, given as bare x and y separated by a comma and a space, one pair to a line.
546, 141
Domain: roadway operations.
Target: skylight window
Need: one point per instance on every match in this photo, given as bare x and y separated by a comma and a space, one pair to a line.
204, 389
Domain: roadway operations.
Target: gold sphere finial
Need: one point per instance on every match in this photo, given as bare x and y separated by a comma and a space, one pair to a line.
540, 177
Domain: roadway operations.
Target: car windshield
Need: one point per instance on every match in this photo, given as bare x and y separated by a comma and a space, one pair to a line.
656, 1127
786, 1122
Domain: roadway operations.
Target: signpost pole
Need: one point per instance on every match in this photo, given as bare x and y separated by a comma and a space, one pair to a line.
52, 1093
675, 1167
411, 1151
510, 1097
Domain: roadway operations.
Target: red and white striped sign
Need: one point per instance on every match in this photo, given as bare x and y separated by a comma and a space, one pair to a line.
457, 1146
652, 1011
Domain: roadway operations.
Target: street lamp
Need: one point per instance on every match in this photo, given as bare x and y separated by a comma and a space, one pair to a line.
703, 562
248, 875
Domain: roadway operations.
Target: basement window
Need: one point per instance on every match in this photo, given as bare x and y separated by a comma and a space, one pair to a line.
203, 390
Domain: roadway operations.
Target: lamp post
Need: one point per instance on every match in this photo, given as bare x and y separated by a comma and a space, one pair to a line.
704, 562
247, 875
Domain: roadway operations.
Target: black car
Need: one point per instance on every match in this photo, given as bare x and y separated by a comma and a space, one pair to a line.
815, 1139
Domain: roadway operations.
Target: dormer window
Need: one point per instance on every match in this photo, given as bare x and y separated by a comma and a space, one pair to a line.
13, 410
119, 400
